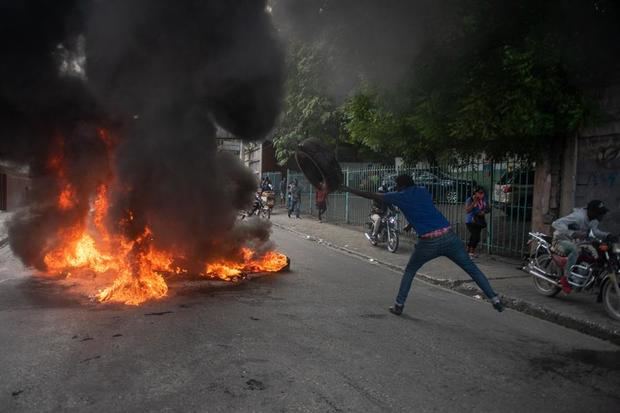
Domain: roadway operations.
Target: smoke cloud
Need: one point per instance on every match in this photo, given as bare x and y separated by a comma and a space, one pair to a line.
367, 39
130, 92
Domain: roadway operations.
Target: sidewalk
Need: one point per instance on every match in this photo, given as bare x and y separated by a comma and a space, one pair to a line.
576, 311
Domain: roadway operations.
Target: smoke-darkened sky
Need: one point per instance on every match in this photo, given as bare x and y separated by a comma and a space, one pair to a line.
381, 40
158, 75
376, 40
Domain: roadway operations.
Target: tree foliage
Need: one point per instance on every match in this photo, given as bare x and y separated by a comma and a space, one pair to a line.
503, 78
308, 111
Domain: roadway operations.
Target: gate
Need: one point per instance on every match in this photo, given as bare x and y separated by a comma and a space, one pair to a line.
508, 186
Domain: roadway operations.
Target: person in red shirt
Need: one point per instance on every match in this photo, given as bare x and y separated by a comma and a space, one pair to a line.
321, 200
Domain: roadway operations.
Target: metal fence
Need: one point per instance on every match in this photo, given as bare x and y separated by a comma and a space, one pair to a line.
508, 186
275, 178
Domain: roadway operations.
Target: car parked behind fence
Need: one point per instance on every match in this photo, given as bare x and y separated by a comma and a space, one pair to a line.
443, 187
514, 192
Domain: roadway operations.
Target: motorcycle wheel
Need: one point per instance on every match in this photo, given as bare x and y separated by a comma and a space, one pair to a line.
392, 241
545, 262
369, 238
611, 300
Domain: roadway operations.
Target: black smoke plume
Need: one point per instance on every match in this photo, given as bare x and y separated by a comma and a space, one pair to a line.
155, 77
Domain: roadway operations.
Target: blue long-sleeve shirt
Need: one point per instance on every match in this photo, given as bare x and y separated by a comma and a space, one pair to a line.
417, 205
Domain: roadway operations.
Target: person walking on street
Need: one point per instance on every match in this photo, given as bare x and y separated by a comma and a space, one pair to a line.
321, 200
295, 193
475, 209
282, 192
436, 238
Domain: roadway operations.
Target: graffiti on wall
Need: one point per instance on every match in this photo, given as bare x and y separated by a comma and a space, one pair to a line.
598, 175
608, 157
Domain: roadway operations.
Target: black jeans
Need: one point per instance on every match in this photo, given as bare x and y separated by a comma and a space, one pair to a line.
474, 232
322, 208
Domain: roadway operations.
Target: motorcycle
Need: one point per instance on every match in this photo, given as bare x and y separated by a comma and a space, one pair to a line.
261, 207
268, 200
388, 231
597, 269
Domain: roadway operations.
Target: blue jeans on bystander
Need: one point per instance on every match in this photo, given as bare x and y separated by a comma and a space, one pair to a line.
295, 205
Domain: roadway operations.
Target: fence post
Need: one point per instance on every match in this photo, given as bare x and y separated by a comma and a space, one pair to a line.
286, 194
346, 197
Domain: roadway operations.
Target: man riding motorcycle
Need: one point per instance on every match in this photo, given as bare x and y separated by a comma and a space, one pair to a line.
378, 209
573, 227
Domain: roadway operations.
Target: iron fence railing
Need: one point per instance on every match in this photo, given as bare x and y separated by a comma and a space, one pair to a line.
508, 186
275, 178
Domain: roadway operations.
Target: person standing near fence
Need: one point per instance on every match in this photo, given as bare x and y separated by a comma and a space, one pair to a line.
283, 191
295, 194
475, 210
436, 237
321, 200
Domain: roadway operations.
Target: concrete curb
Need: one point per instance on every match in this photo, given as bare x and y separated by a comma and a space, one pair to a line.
466, 287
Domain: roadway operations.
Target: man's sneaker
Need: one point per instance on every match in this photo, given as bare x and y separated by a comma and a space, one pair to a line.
565, 285
497, 304
396, 309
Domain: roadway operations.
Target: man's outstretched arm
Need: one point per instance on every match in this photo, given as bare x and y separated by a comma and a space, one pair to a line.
364, 194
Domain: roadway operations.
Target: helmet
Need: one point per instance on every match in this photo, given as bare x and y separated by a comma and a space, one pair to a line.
596, 209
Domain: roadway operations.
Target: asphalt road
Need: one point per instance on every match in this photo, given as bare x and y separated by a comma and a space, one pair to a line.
318, 338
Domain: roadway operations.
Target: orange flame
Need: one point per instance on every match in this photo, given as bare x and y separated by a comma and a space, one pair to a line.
138, 267
227, 269
67, 198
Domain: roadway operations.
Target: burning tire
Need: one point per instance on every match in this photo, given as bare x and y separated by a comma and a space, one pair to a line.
318, 164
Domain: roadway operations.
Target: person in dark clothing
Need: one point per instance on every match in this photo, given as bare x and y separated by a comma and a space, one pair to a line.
295, 192
436, 238
475, 209
266, 185
282, 191
378, 209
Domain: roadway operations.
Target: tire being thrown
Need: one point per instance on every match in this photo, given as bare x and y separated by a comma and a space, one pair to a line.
318, 164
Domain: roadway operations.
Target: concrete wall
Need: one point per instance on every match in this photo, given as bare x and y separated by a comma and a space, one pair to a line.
581, 168
598, 175
13, 190
598, 160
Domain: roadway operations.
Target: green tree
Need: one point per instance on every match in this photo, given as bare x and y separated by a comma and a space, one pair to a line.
499, 78
308, 111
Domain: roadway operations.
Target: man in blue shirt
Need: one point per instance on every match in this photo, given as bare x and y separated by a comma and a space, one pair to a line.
435, 237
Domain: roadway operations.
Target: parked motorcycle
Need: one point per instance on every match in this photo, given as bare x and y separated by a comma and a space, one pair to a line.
388, 231
597, 269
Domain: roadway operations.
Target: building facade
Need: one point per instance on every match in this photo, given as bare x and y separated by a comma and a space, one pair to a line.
15, 183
